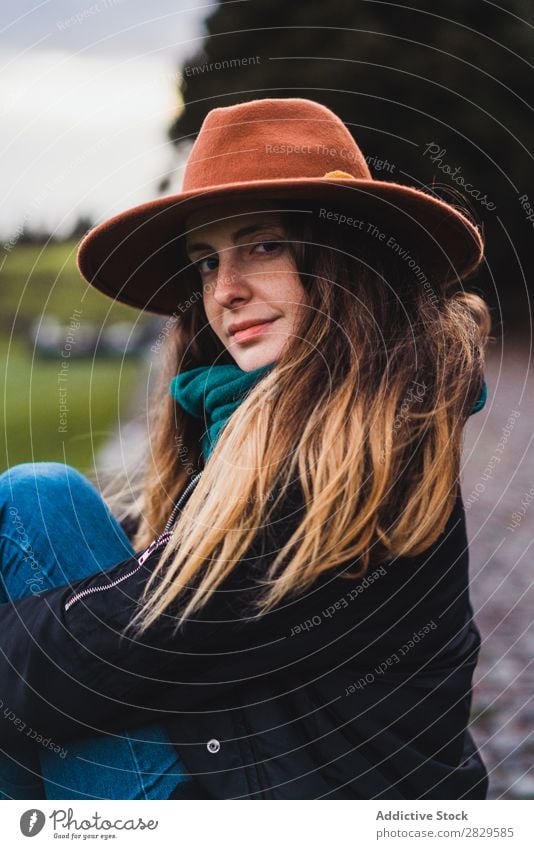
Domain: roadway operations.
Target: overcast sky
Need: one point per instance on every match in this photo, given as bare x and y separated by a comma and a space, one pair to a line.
87, 91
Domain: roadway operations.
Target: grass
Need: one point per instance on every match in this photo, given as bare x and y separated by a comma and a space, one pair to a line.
42, 282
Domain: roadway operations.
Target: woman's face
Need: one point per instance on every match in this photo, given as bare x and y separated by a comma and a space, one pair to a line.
248, 276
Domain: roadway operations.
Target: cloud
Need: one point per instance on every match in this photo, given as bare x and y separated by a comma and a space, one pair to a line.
85, 112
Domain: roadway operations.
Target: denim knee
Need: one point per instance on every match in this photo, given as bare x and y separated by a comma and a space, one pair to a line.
24, 474
42, 477
54, 521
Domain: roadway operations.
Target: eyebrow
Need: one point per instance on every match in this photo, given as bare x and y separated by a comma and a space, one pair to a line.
244, 231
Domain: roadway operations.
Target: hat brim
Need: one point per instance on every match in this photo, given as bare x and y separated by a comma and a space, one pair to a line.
134, 257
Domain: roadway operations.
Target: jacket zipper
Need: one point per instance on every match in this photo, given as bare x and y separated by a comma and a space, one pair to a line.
159, 542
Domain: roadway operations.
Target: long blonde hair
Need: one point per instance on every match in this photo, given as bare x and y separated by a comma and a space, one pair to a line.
364, 411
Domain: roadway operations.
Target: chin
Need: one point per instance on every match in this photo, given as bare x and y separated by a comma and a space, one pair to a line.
255, 357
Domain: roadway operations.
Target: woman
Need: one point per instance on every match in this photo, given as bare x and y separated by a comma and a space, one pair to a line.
291, 618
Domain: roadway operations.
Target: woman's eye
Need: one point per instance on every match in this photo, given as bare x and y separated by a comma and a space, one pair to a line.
268, 246
209, 263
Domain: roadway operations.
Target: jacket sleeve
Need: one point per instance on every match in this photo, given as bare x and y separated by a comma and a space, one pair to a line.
68, 671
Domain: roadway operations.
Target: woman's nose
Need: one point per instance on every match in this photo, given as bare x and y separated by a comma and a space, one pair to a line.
231, 281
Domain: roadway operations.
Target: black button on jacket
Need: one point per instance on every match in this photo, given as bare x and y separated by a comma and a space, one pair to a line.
355, 689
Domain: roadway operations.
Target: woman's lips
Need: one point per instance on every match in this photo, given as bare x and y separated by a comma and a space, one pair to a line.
255, 330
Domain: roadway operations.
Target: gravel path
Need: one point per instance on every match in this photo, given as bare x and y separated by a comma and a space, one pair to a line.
498, 493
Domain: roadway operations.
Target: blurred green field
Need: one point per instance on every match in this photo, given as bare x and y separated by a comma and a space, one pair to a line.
38, 283
44, 281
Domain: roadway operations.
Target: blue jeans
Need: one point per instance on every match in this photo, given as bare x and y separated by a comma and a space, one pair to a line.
55, 528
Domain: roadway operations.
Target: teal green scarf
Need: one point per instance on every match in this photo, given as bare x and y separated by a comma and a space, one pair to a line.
482, 400
212, 393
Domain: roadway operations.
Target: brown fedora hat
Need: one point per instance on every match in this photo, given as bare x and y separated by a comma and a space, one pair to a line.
272, 149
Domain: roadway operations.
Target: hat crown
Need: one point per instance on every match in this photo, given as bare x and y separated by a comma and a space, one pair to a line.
271, 139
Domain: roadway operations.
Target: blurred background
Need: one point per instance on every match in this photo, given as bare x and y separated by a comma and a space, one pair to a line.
100, 103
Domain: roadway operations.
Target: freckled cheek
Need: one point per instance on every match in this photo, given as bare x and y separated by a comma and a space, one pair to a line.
287, 291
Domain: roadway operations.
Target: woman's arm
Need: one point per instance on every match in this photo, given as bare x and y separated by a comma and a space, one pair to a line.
69, 672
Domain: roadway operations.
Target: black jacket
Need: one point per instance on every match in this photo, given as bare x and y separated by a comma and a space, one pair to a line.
354, 689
